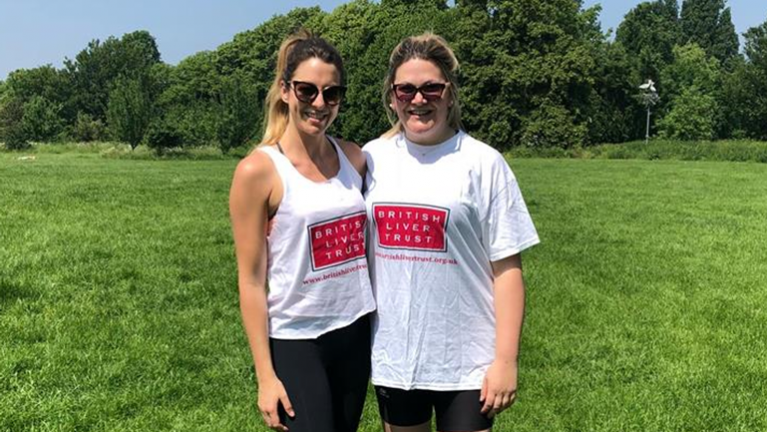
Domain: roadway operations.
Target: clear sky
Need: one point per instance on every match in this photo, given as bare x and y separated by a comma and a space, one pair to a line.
37, 32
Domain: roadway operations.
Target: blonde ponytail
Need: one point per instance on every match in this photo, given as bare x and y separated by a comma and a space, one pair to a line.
276, 112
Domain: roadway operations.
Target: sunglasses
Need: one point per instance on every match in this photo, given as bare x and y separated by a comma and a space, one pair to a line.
429, 91
307, 92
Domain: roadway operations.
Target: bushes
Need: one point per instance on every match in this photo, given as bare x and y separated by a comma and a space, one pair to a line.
130, 110
88, 129
731, 150
41, 121
12, 127
692, 116
163, 136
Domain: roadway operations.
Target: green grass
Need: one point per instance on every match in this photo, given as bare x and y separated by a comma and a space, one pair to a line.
118, 299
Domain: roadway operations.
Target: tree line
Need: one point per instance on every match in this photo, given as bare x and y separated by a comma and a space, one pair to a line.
536, 73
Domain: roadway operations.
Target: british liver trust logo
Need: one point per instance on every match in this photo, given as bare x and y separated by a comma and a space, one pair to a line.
418, 227
337, 241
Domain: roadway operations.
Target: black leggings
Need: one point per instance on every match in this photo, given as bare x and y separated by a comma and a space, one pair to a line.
326, 378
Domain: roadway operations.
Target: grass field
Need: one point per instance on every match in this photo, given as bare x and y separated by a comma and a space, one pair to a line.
118, 300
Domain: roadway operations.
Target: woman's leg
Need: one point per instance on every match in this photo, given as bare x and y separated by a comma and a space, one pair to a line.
424, 427
350, 372
404, 410
459, 411
300, 366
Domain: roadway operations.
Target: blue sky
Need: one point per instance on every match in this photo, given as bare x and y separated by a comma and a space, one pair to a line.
37, 32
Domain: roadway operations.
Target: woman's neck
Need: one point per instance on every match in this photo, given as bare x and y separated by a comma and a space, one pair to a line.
300, 144
441, 137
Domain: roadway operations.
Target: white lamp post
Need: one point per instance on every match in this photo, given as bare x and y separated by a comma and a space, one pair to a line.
649, 98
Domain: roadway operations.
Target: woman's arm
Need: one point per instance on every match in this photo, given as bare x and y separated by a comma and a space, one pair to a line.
500, 384
253, 186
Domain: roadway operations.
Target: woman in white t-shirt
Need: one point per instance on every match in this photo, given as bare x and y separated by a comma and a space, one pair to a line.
299, 225
448, 224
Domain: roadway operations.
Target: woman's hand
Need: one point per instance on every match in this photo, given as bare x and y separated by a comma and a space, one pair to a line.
499, 387
271, 395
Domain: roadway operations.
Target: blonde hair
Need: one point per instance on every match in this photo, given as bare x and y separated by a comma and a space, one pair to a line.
294, 50
431, 47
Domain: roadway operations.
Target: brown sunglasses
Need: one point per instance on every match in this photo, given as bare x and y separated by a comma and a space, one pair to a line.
307, 92
429, 91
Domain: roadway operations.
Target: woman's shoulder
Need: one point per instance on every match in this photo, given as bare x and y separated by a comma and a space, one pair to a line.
255, 181
474, 145
256, 167
353, 152
382, 142
485, 160
483, 153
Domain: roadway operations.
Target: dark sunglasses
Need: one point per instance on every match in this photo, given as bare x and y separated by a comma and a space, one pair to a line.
307, 92
429, 91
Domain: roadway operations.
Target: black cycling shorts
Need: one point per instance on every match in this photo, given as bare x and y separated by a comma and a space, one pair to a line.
454, 410
326, 378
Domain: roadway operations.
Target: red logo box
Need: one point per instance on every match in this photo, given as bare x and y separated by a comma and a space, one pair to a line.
417, 227
337, 241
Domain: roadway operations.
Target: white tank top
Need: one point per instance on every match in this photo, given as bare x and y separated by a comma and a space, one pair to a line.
317, 272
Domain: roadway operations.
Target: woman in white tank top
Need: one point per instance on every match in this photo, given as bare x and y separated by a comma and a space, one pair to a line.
299, 225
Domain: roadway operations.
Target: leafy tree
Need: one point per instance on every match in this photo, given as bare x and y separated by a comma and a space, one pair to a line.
255, 51
530, 66
94, 69
129, 110
11, 124
708, 24
755, 82
140, 51
614, 114
438, 4
237, 121
648, 33
45, 81
691, 68
188, 104
41, 121
754, 46
691, 85
692, 116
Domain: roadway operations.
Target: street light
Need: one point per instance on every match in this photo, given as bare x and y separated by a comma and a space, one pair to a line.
649, 98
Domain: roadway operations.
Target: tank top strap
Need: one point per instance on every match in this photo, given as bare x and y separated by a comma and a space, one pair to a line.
345, 165
277, 157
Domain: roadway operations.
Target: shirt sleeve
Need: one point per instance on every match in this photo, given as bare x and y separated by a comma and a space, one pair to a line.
508, 229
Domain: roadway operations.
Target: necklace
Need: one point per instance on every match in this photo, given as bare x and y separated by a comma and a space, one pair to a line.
424, 150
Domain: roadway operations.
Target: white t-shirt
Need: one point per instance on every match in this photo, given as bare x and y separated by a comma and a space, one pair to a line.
438, 216
317, 272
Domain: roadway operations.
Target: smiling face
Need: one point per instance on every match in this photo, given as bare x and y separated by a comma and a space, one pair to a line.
315, 117
424, 122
